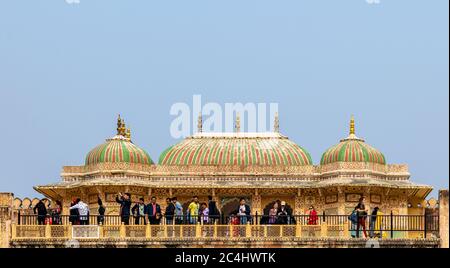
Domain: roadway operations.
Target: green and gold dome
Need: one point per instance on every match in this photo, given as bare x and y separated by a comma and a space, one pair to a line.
119, 149
352, 149
236, 149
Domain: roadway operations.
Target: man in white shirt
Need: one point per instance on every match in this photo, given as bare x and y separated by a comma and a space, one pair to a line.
83, 210
243, 212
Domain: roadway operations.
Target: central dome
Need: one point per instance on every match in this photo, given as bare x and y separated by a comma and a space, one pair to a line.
236, 149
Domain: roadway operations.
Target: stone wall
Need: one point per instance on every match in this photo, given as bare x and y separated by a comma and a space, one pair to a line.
443, 218
6, 200
227, 243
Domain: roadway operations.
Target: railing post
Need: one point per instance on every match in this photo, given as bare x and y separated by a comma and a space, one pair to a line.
123, 231
100, 231
148, 231
324, 229
425, 219
198, 230
13, 230
298, 229
70, 231
347, 226
248, 230
392, 224
48, 231
215, 229
357, 224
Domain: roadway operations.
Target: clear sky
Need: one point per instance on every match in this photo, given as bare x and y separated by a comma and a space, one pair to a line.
67, 70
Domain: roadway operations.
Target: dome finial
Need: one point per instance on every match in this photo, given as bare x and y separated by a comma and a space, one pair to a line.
238, 123
276, 123
121, 130
128, 133
200, 123
352, 125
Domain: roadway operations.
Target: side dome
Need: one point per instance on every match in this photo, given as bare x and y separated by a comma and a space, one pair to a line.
119, 149
235, 149
352, 149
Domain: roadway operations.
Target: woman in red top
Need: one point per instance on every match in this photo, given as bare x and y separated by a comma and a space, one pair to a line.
312, 219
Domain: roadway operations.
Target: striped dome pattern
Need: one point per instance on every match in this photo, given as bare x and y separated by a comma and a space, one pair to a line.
352, 150
118, 150
238, 149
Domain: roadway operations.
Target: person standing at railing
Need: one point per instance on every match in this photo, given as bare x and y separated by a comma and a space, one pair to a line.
125, 205
312, 218
101, 211
138, 211
170, 211
244, 212
214, 213
204, 213
273, 212
362, 216
283, 216
41, 212
353, 218
74, 217
373, 220
193, 210
154, 211
56, 213
83, 211
178, 211
376, 222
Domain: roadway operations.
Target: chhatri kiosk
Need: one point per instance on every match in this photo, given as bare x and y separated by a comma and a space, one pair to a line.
260, 167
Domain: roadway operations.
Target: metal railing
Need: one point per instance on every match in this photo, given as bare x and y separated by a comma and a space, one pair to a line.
385, 226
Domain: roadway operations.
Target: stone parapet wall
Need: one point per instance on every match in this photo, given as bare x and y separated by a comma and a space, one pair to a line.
220, 243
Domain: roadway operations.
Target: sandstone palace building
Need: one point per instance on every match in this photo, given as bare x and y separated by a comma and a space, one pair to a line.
260, 167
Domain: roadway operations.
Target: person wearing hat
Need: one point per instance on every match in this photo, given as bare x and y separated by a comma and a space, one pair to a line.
283, 215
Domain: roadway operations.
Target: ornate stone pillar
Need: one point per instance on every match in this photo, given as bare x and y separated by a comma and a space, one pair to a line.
341, 201
256, 203
298, 203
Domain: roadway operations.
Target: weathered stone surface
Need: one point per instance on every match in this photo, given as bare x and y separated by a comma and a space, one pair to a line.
241, 243
443, 218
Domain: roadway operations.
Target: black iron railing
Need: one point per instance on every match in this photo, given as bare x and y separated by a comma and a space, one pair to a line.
368, 226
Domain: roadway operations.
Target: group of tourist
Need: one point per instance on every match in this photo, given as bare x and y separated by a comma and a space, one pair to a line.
151, 213
41, 211
358, 219
201, 212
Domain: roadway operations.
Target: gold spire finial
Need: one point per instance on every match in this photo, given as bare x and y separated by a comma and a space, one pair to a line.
238, 123
352, 125
276, 123
119, 124
200, 123
121, 130
128, 134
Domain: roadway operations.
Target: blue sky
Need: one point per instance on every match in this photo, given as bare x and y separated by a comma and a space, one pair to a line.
67, 70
